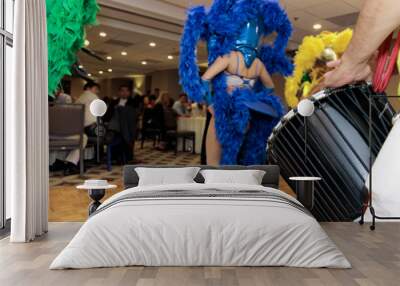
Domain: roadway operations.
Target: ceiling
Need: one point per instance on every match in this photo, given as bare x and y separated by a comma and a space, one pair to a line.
131, 25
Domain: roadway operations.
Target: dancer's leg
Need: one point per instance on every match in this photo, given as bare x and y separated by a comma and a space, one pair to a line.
213, 147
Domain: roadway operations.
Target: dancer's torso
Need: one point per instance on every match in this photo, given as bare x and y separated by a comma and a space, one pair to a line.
238, 76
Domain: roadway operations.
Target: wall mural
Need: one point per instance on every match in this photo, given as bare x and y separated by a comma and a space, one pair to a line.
310, 63
244, 109
66, 22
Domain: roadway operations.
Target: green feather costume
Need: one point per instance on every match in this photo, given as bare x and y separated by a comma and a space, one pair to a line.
66, 21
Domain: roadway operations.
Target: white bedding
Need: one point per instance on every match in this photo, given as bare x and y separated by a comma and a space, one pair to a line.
200, 232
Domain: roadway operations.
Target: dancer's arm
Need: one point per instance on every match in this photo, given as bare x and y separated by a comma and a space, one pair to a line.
378, 18
217, 67
266, 78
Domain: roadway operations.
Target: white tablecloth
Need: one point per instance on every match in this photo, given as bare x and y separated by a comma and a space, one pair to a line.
195, 124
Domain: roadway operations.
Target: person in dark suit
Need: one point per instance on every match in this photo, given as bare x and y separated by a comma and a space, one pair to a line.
125, 98
123, 119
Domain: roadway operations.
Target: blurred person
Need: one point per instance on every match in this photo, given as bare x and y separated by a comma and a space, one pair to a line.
146, 101
61, 97
164, 118
198, 110
182, 106
124, 116
148, 121
124, 97
157, 92
70, 164
151, 101
91, 91
377, 20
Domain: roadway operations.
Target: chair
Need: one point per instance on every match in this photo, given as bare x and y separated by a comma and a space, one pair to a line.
150, 133
65, 122
149, 130
92, 142
172, 133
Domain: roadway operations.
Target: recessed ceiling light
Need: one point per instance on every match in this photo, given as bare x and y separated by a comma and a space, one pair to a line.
317, 26
87, 43
109, 70
80, 66
89, 74
103, 34
144, 63
152, 44
101, 72
170, 57
124, 53
109, 58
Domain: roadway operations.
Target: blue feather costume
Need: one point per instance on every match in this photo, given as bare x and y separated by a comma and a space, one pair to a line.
220, 28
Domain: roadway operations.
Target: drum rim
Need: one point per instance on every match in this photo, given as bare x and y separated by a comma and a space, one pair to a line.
314, 98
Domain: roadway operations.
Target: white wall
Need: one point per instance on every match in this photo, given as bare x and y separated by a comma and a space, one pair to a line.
109, 87
166, 81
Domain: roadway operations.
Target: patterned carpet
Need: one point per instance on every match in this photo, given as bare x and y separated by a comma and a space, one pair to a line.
147, 156
67, 204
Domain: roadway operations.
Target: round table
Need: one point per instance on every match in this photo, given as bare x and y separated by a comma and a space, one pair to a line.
96, 193
305, 190
195, 124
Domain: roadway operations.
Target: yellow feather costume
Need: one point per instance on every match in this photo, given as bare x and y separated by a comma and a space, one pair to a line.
310, 51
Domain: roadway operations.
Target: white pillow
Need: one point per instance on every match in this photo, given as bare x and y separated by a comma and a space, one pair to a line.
245, 177
166, 176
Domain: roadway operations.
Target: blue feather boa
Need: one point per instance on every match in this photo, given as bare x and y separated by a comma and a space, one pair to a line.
243, 133
188, 69
240, 144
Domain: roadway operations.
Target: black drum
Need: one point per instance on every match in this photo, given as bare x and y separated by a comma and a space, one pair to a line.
335, 148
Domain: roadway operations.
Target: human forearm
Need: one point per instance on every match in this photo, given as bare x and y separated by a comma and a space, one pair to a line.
218, 66
377, 20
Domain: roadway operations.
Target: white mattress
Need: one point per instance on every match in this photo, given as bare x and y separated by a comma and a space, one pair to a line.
200, 232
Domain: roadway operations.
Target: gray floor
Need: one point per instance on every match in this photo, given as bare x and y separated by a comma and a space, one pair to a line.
375, 257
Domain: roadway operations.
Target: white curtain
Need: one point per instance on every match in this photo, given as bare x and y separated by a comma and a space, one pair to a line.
27, 124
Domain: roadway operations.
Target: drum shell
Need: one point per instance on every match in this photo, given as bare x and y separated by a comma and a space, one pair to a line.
337, 150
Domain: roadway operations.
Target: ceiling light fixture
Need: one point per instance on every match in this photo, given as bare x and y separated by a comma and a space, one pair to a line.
87, 43
101, 72
89, 74
144, 63
109, 70
103, 34
170, 57
80, 66
317, 26
152, 44
109, 58
124, 53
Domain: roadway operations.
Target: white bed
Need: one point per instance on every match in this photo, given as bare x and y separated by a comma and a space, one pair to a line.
201, 231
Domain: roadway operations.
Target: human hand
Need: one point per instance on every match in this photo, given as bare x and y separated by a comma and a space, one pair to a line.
345, 72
